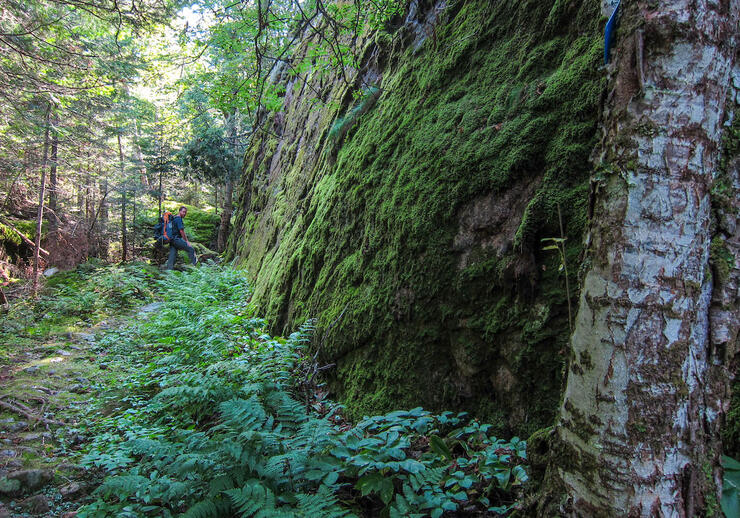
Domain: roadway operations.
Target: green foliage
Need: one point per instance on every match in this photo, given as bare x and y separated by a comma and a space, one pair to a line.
208, 156
731, 487
215, 424
81, 295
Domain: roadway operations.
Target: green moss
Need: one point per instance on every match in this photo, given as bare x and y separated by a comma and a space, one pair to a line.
721, 259
507, 94
7, 235
27, 226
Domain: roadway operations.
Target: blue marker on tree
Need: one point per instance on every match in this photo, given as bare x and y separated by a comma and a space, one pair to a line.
609, 32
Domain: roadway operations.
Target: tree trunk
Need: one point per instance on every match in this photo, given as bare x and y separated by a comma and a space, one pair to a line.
40, 213
143, 178
53, 182
80, 198
160, 193
124, 243
638, 433
133, 224
103, 216
88, 191
223, 229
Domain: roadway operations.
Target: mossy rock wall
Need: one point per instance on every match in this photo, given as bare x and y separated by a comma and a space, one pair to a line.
414, 235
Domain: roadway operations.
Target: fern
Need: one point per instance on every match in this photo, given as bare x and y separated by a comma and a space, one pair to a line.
211, 508
216, 429
123, 486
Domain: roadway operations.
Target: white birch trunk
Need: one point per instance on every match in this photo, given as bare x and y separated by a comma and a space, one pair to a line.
638, 433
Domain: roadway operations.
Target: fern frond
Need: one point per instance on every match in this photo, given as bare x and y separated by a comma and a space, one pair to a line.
123, 486
211, 508
253, 498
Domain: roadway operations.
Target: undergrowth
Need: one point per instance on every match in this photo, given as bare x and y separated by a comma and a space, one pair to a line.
77, 298
222, 419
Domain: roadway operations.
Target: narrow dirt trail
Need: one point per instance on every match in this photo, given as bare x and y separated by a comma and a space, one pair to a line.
48, 392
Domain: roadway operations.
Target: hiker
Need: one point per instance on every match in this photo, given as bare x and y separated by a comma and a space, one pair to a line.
179, 239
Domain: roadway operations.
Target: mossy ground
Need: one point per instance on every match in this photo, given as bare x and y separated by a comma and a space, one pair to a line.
503, 94
53, 368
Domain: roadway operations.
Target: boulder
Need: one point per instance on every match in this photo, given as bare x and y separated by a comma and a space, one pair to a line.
31, 479
37, 504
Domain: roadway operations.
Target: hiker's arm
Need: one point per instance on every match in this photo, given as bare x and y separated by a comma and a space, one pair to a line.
182, 233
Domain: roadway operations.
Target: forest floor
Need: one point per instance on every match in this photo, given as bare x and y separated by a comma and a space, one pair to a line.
54, 376
48, 389
130, 393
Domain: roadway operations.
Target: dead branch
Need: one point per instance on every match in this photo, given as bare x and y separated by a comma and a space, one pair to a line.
22, 235
26, 412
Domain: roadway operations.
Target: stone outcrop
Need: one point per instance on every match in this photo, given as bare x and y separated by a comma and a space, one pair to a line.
405, 208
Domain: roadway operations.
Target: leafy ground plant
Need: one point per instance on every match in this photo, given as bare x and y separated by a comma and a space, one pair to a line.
216, 422
72, 300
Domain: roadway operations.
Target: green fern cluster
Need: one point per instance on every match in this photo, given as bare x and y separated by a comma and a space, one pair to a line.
212, 426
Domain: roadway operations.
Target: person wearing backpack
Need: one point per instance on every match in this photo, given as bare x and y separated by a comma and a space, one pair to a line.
179, 240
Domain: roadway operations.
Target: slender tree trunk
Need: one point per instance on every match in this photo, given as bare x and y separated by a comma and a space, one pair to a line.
53, 181
160, 192
143, 178
223, 229
40, 213
88, 190
80, 197
103, 215
124, 243
638, 433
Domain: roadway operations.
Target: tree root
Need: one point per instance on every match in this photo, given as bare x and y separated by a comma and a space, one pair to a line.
23, 410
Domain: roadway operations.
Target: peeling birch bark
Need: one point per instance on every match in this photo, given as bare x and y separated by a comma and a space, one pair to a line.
638, 433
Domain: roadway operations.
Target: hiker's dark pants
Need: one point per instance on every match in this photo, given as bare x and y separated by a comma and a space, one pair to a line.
176, 244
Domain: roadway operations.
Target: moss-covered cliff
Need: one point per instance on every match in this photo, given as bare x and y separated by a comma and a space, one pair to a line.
409, 217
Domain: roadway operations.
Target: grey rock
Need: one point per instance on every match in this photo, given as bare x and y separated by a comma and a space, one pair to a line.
28, 437
31, 479
150, 308
31, 369
88, 337
9, 486
62, 352
16, 426
72, 490
51, 271
8, 453
37, 504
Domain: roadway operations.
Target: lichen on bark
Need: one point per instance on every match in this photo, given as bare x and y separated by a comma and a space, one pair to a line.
656, 383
